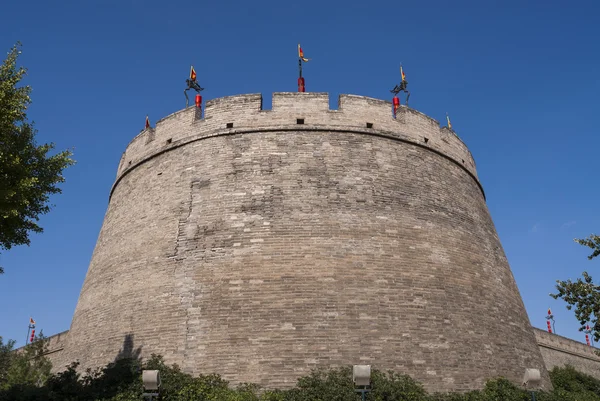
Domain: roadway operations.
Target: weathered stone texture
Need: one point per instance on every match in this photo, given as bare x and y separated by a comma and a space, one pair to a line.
55, 350
268, 248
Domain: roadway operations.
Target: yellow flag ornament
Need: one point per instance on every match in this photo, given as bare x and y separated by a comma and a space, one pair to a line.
402, 73
301, 54
192, 73
449, 123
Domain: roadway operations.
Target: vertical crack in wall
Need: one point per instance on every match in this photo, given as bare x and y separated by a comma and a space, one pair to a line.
185, 283
186, 211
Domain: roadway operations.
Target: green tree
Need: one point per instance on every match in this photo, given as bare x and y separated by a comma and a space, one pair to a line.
6, 355
29, 366
29, 174
583, 295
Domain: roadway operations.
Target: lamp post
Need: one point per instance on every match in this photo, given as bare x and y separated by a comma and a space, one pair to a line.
549, 317
151, 379
532, 377
361, 376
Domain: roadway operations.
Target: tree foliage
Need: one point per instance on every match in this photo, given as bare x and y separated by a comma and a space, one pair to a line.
121, 381
6, 355
27, 367
582, 295
593, 242
29, 174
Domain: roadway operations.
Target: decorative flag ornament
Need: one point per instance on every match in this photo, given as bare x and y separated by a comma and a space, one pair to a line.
191, 83
30, 331
147, 122
449, 123
301, 54
401, 87
587, 332
548, 318
301, 58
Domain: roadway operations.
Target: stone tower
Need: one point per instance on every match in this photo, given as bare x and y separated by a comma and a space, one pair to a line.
259, 244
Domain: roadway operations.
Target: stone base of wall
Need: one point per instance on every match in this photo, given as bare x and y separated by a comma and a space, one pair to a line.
556, 351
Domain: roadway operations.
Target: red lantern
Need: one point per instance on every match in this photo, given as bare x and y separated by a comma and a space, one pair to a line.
549, 328
587, 339
32, 336
301, 84
396, 102
198, 101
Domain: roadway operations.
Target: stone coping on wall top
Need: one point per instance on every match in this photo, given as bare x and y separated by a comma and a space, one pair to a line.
548, 340
322, 96
314, 95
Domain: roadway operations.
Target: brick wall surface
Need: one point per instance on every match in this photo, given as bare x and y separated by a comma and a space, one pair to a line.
561, 351
268, 248
556, 351
55, 350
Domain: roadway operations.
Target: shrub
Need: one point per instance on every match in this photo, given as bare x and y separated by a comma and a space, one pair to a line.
121, 381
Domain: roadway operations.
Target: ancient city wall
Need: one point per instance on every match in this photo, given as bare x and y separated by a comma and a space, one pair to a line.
259, 244
560, 351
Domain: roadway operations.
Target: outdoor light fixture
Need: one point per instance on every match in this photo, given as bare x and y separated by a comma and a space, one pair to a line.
532, 377
361, 376
151, 379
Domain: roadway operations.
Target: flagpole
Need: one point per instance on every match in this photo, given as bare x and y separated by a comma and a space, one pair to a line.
28, 331
300, 79
301, 87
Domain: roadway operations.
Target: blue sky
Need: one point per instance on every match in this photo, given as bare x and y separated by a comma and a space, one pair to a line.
519, 79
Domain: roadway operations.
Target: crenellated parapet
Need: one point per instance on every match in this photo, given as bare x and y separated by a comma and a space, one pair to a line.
292, 112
